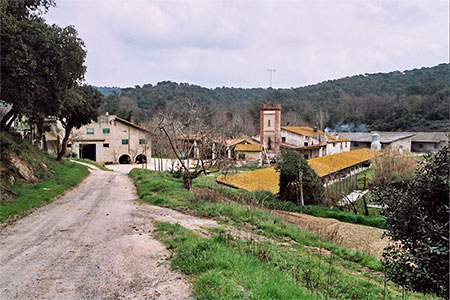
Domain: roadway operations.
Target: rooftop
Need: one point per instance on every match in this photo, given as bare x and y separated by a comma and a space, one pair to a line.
268, 179
385, 137
429, 137
309, 131
249, 148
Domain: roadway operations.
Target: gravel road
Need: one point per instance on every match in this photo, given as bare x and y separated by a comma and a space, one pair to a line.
94, 242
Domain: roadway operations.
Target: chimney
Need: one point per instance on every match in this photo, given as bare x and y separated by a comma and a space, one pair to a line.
315, 132
375, 145
132, 119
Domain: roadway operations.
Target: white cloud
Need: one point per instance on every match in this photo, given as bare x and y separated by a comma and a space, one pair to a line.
233, 43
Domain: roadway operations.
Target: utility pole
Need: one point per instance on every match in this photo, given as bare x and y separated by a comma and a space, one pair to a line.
270, 72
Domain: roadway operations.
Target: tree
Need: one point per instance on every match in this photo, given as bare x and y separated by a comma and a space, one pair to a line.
298, 180
185, 128
39, 62
417, 213
80, 107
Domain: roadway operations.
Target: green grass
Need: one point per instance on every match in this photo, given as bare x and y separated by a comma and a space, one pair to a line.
223, 267
269, 200
226, 268
29, 196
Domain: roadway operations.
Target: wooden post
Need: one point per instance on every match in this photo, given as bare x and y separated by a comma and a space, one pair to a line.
366, 210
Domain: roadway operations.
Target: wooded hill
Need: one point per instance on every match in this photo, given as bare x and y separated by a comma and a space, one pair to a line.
413, 100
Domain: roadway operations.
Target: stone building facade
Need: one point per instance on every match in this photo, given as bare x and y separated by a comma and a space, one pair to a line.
112, 140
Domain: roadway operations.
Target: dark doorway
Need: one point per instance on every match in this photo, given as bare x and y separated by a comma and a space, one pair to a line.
124, 159
88, 151
141, 159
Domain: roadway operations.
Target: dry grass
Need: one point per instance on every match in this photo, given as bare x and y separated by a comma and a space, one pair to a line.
352, 236
395, 165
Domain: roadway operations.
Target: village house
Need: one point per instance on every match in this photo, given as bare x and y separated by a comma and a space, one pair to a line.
308, 141
245, 152
112, 140
428, 141
360, 140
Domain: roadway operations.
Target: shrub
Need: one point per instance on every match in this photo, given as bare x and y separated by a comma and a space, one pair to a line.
393, 166
417, 213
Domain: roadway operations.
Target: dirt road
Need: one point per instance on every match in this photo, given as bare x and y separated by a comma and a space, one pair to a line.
95, 242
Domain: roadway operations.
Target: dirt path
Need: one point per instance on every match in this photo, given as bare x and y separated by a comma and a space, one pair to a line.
95, 242
352, 236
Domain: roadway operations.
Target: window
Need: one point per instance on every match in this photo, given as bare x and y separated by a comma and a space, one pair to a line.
125, 142
306, 156
105, 130
241, 156
69, 145
141, 141
305, 143
283, 139
90, 131
356, 144
105, 145
268, 123
421, 146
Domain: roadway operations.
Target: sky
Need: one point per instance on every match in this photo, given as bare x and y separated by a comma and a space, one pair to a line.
234, 43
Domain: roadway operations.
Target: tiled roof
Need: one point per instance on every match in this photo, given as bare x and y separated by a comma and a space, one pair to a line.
268, 179
233, 142
131, 124
248, 148
263, 179
329, 164
385, 137
309, 131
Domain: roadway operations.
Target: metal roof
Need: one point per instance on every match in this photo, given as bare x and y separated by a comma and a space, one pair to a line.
385, 137
430, 137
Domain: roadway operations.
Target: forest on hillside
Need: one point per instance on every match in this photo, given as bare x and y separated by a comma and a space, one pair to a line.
413, 100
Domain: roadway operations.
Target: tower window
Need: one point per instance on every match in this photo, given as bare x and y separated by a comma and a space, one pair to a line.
269, 144
268, 123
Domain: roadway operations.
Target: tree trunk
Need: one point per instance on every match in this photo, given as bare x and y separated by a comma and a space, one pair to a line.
4, 124
64, 144
187, 178
300, 185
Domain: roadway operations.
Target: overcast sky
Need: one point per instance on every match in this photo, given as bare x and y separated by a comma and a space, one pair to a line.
234, 43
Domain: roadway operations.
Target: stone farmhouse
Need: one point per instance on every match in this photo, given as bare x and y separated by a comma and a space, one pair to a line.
360, 140
112, 140
428, 141
309, 141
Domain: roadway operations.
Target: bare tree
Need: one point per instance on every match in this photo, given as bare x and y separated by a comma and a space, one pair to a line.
320, 118
195, 143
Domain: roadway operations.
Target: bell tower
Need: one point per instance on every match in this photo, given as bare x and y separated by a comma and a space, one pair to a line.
269, 124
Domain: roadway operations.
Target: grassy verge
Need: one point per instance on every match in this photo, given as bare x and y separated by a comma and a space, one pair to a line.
223, 267
28, 196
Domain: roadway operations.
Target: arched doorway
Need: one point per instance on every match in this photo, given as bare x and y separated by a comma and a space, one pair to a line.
124, 159
141, 159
